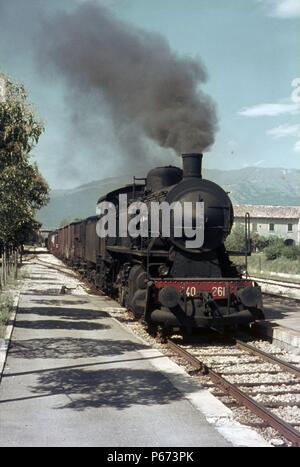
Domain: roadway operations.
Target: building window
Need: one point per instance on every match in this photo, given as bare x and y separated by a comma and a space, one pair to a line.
254, 227
271, 227
290, 227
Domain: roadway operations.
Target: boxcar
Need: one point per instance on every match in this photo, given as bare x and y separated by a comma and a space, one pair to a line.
91, 240
76, 242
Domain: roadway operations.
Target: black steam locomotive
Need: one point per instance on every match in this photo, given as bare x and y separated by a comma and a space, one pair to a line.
163, 282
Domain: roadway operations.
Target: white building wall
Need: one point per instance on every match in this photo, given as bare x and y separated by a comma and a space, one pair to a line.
262, 227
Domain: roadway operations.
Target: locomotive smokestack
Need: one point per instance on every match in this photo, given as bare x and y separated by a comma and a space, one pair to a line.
192, 165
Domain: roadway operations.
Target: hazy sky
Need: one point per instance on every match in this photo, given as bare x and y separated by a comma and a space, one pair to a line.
251, 51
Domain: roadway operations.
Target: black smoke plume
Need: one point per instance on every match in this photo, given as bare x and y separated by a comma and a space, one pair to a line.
143, 82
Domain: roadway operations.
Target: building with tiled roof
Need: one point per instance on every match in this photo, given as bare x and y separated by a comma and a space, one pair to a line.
281, 221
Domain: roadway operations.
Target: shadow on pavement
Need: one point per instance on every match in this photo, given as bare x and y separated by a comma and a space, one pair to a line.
58, 301
62, 312
63, 324
118, 388
279, 308
70, 347
36, 278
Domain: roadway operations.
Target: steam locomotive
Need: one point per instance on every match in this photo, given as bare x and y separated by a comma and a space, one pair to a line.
163, 282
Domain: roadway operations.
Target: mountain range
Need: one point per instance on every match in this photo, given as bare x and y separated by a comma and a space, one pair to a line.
250, 185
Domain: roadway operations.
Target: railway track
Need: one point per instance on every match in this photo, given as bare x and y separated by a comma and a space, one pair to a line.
239, 384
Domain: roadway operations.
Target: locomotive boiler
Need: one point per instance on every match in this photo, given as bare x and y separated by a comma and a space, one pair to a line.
166, 283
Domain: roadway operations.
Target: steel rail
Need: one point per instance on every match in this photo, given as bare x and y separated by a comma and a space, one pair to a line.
284, 428
278, 283
268, 357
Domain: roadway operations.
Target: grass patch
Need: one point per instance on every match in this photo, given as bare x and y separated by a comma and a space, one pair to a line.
7, 298
6, 306
12, 281
259, 264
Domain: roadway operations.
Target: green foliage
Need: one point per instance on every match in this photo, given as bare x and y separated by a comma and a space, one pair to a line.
273, 251
22, 187
259, 242
236, 240
19, 129
6, 306
28, 232
291, 252
274, 248
259, 265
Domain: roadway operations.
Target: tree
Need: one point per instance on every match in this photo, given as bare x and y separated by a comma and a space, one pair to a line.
236, 240
22, 188
274, 248
19, 129
259, 242
291, 252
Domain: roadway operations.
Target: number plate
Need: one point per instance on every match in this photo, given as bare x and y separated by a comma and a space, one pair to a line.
216, 291
219, 292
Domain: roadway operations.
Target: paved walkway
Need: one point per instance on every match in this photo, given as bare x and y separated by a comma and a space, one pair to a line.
282, 323
283, 312
75, 377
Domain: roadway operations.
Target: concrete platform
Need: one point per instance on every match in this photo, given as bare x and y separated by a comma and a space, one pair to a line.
282, 321
279, 288
75, 377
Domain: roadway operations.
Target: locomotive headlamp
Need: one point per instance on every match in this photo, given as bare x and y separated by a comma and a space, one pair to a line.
163, 270
241, 269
